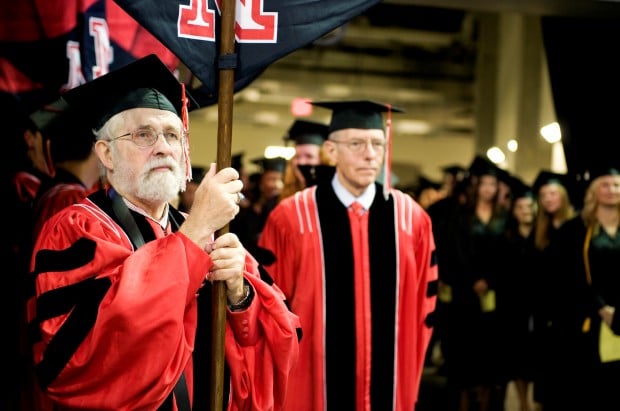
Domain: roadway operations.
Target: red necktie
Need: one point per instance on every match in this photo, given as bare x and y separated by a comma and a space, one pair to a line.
357, 208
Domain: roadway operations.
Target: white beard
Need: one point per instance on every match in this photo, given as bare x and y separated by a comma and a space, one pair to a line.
157, 187
152, 187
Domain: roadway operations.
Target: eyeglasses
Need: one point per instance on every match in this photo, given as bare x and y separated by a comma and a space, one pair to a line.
146, 137
358, 145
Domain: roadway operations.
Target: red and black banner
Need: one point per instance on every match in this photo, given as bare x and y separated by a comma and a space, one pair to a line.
265, 30
49, 46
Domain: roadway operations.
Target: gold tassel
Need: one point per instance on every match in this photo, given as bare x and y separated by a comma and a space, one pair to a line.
586, 325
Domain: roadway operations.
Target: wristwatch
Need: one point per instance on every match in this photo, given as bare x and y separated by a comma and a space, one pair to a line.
246, 300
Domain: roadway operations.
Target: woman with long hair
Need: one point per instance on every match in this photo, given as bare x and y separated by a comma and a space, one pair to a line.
554, 209
470, 339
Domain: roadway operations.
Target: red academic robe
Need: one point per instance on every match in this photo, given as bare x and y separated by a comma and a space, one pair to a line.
363, 289
121, 322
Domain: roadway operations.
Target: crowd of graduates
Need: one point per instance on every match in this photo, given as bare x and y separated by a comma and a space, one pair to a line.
520, 299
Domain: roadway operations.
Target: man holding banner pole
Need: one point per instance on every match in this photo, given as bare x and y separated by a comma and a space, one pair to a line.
121, 306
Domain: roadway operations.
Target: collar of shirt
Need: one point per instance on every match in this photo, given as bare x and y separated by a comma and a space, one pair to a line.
163, 222
347, 198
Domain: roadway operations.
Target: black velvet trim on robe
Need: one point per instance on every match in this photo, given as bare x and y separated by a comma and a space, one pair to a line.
340, 318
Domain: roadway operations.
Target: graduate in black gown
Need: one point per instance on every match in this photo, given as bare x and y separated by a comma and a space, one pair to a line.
584, 324
516, 287
554, 208
471, 249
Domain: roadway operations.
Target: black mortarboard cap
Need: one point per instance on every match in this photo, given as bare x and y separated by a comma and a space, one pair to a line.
362, 114
519, 189
144, 83
307, 132
46, 116
572, 182
600, 170
70, 133
236, 161
424, 183
271, 164
545, 177
503, 175
454, 169
314, 174
482, 166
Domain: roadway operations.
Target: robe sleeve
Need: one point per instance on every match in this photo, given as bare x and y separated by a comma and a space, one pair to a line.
117, 327
277, 236
427, 292
261, 348
421, 296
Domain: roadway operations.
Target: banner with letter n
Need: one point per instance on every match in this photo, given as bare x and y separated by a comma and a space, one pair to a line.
265, 31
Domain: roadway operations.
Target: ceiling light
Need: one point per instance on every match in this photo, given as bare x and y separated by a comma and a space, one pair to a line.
269, 86
417, 95
512, 145
496, 155
337, 91
279, 151
251, 94
412, 127
266, 118
551, 132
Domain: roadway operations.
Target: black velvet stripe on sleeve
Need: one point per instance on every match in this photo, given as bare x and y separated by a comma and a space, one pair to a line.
77, 255
80, 253
432, 288
83, 315
431, 319
58, 302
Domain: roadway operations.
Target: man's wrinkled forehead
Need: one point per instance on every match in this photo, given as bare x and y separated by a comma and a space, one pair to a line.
361, 133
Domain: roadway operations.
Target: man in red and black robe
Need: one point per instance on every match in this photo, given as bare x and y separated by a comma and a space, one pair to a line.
120, 311
360, 272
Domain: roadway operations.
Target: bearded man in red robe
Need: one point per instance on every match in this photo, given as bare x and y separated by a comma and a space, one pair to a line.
121, 307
